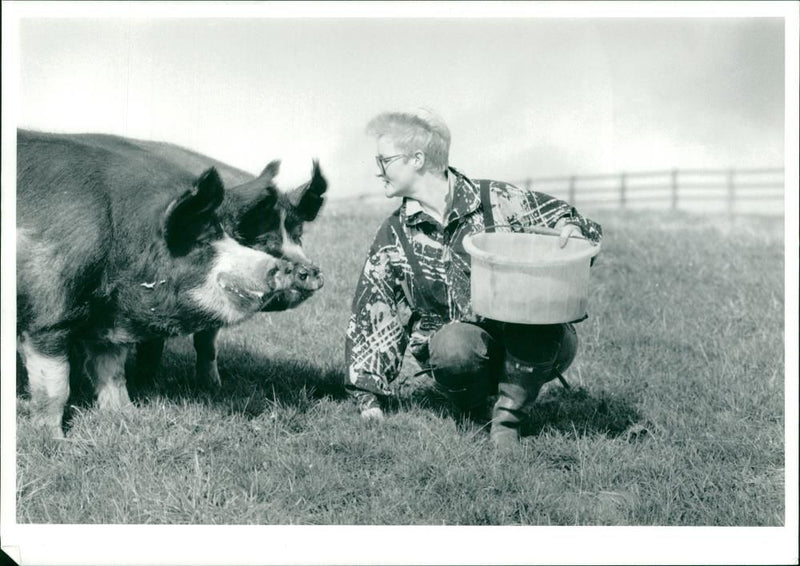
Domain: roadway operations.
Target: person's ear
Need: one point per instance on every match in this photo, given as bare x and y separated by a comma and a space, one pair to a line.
419, 160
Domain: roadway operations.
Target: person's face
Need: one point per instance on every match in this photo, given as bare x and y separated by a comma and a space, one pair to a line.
395, 168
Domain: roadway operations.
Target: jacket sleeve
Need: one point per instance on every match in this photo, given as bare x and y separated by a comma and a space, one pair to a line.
377, 332
589, 228
525, 208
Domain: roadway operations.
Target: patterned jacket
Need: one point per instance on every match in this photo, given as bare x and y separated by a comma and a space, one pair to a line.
398, 304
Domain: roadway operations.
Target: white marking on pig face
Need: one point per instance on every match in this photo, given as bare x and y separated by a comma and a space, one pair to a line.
290, 249
238, 281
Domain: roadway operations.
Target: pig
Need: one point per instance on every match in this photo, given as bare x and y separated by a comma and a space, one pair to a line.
116, 248
257, 215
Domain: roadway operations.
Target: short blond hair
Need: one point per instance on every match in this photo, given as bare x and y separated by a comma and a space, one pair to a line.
419, 130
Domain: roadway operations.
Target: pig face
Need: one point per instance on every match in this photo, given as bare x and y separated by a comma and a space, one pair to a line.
271, 221
265, 220
229, 281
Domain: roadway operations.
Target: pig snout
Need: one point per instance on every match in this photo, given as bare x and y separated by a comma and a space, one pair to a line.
292, 284
308, 278
281, 276
241, 280
289, 275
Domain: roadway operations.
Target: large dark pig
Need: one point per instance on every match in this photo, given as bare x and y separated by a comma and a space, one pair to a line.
114, 248
257, 215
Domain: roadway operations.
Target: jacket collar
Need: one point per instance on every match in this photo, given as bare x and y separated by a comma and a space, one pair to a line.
466, 200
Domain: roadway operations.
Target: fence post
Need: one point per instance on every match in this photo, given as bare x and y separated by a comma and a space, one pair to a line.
572, 190
731, 191
674, 175
622, 190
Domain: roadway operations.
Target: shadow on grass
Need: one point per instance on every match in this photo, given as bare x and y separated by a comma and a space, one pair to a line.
579, 412
251, 382
574, 412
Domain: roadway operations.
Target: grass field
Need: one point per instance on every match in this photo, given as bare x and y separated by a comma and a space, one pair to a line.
675, 417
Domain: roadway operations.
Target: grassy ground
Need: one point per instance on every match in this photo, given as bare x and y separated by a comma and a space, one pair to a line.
675, 416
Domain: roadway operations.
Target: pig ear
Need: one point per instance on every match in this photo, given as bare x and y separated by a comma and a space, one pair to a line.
308, 198
191, 214
258, 218
252, 191
272, 169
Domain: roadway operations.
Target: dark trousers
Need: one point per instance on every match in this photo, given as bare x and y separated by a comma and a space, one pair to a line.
468, 360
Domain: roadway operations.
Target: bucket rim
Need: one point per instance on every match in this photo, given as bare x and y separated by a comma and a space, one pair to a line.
477, 253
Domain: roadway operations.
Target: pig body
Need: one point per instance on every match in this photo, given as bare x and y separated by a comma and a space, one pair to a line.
257, 215
114, 247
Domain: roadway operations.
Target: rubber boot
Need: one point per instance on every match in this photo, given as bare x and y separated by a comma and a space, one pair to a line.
517, 390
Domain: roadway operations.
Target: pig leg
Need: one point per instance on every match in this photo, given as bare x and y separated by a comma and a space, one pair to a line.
205, 346
148, 358
106, 365
48, 378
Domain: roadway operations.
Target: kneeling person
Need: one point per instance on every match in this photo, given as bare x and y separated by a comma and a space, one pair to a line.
414, 290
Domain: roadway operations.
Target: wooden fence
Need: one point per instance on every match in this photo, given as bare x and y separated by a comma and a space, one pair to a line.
735, 191
731, 191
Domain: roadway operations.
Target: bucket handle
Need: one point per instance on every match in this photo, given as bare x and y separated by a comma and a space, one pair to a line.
542, 230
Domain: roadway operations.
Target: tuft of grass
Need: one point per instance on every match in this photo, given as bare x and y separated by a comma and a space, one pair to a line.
675, 415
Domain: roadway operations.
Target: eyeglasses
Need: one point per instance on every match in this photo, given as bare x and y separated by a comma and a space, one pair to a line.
384, 161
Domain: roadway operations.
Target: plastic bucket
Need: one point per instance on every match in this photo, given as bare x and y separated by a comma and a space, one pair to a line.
528, 278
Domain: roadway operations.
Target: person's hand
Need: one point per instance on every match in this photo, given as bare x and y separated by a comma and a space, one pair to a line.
566, 231
372, 414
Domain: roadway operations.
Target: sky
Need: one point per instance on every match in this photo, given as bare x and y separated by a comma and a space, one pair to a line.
523, 97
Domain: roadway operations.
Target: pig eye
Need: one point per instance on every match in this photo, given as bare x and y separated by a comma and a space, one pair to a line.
294, 229
257, 225
212, 232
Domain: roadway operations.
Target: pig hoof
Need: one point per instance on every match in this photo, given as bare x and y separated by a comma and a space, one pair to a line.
54, 432
113, 399
48, 429
372, 414
208, 378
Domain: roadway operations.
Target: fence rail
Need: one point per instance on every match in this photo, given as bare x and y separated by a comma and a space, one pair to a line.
735, 191
758, 190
